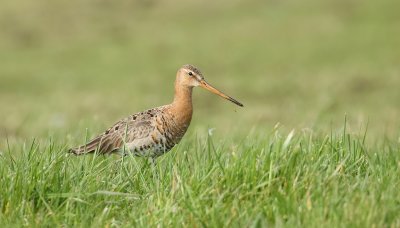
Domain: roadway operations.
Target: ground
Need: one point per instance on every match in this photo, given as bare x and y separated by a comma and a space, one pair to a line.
317, 142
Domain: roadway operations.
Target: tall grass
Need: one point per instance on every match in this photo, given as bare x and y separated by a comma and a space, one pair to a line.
298, 179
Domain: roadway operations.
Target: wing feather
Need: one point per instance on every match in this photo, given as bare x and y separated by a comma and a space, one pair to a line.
135, 128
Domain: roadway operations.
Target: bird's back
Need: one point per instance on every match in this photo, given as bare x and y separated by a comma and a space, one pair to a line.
150, 133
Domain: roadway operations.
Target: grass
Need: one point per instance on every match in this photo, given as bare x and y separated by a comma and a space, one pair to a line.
70, 69
299, 179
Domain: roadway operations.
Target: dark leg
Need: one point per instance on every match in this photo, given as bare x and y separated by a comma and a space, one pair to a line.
153, 161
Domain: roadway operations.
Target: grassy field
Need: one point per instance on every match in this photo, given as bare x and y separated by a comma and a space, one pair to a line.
270, 179
317, 143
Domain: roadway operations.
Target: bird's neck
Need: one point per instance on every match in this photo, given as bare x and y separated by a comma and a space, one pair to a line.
182, 104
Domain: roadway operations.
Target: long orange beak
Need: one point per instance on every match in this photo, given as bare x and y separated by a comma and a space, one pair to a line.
210, 88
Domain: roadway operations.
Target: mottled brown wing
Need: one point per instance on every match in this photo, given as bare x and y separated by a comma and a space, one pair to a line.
125, 131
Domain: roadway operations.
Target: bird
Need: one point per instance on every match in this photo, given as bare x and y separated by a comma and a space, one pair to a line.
154, 132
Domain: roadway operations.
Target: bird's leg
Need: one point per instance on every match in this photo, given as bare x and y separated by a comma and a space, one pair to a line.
153, 162
124, 154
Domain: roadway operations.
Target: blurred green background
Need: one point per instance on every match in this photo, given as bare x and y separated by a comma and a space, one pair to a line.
70, 65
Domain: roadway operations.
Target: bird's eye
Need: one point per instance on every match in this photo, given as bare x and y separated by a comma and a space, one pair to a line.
190, 73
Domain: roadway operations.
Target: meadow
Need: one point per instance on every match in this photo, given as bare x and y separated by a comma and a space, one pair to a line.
316, 144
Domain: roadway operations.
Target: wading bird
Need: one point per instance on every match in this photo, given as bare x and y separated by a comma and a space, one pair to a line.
154, 132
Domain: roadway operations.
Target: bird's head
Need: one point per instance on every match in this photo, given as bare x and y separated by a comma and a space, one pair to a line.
190, 76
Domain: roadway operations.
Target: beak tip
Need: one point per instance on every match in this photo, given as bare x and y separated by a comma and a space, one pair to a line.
236, 102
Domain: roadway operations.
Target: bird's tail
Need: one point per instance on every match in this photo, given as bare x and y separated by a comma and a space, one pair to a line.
89, 147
